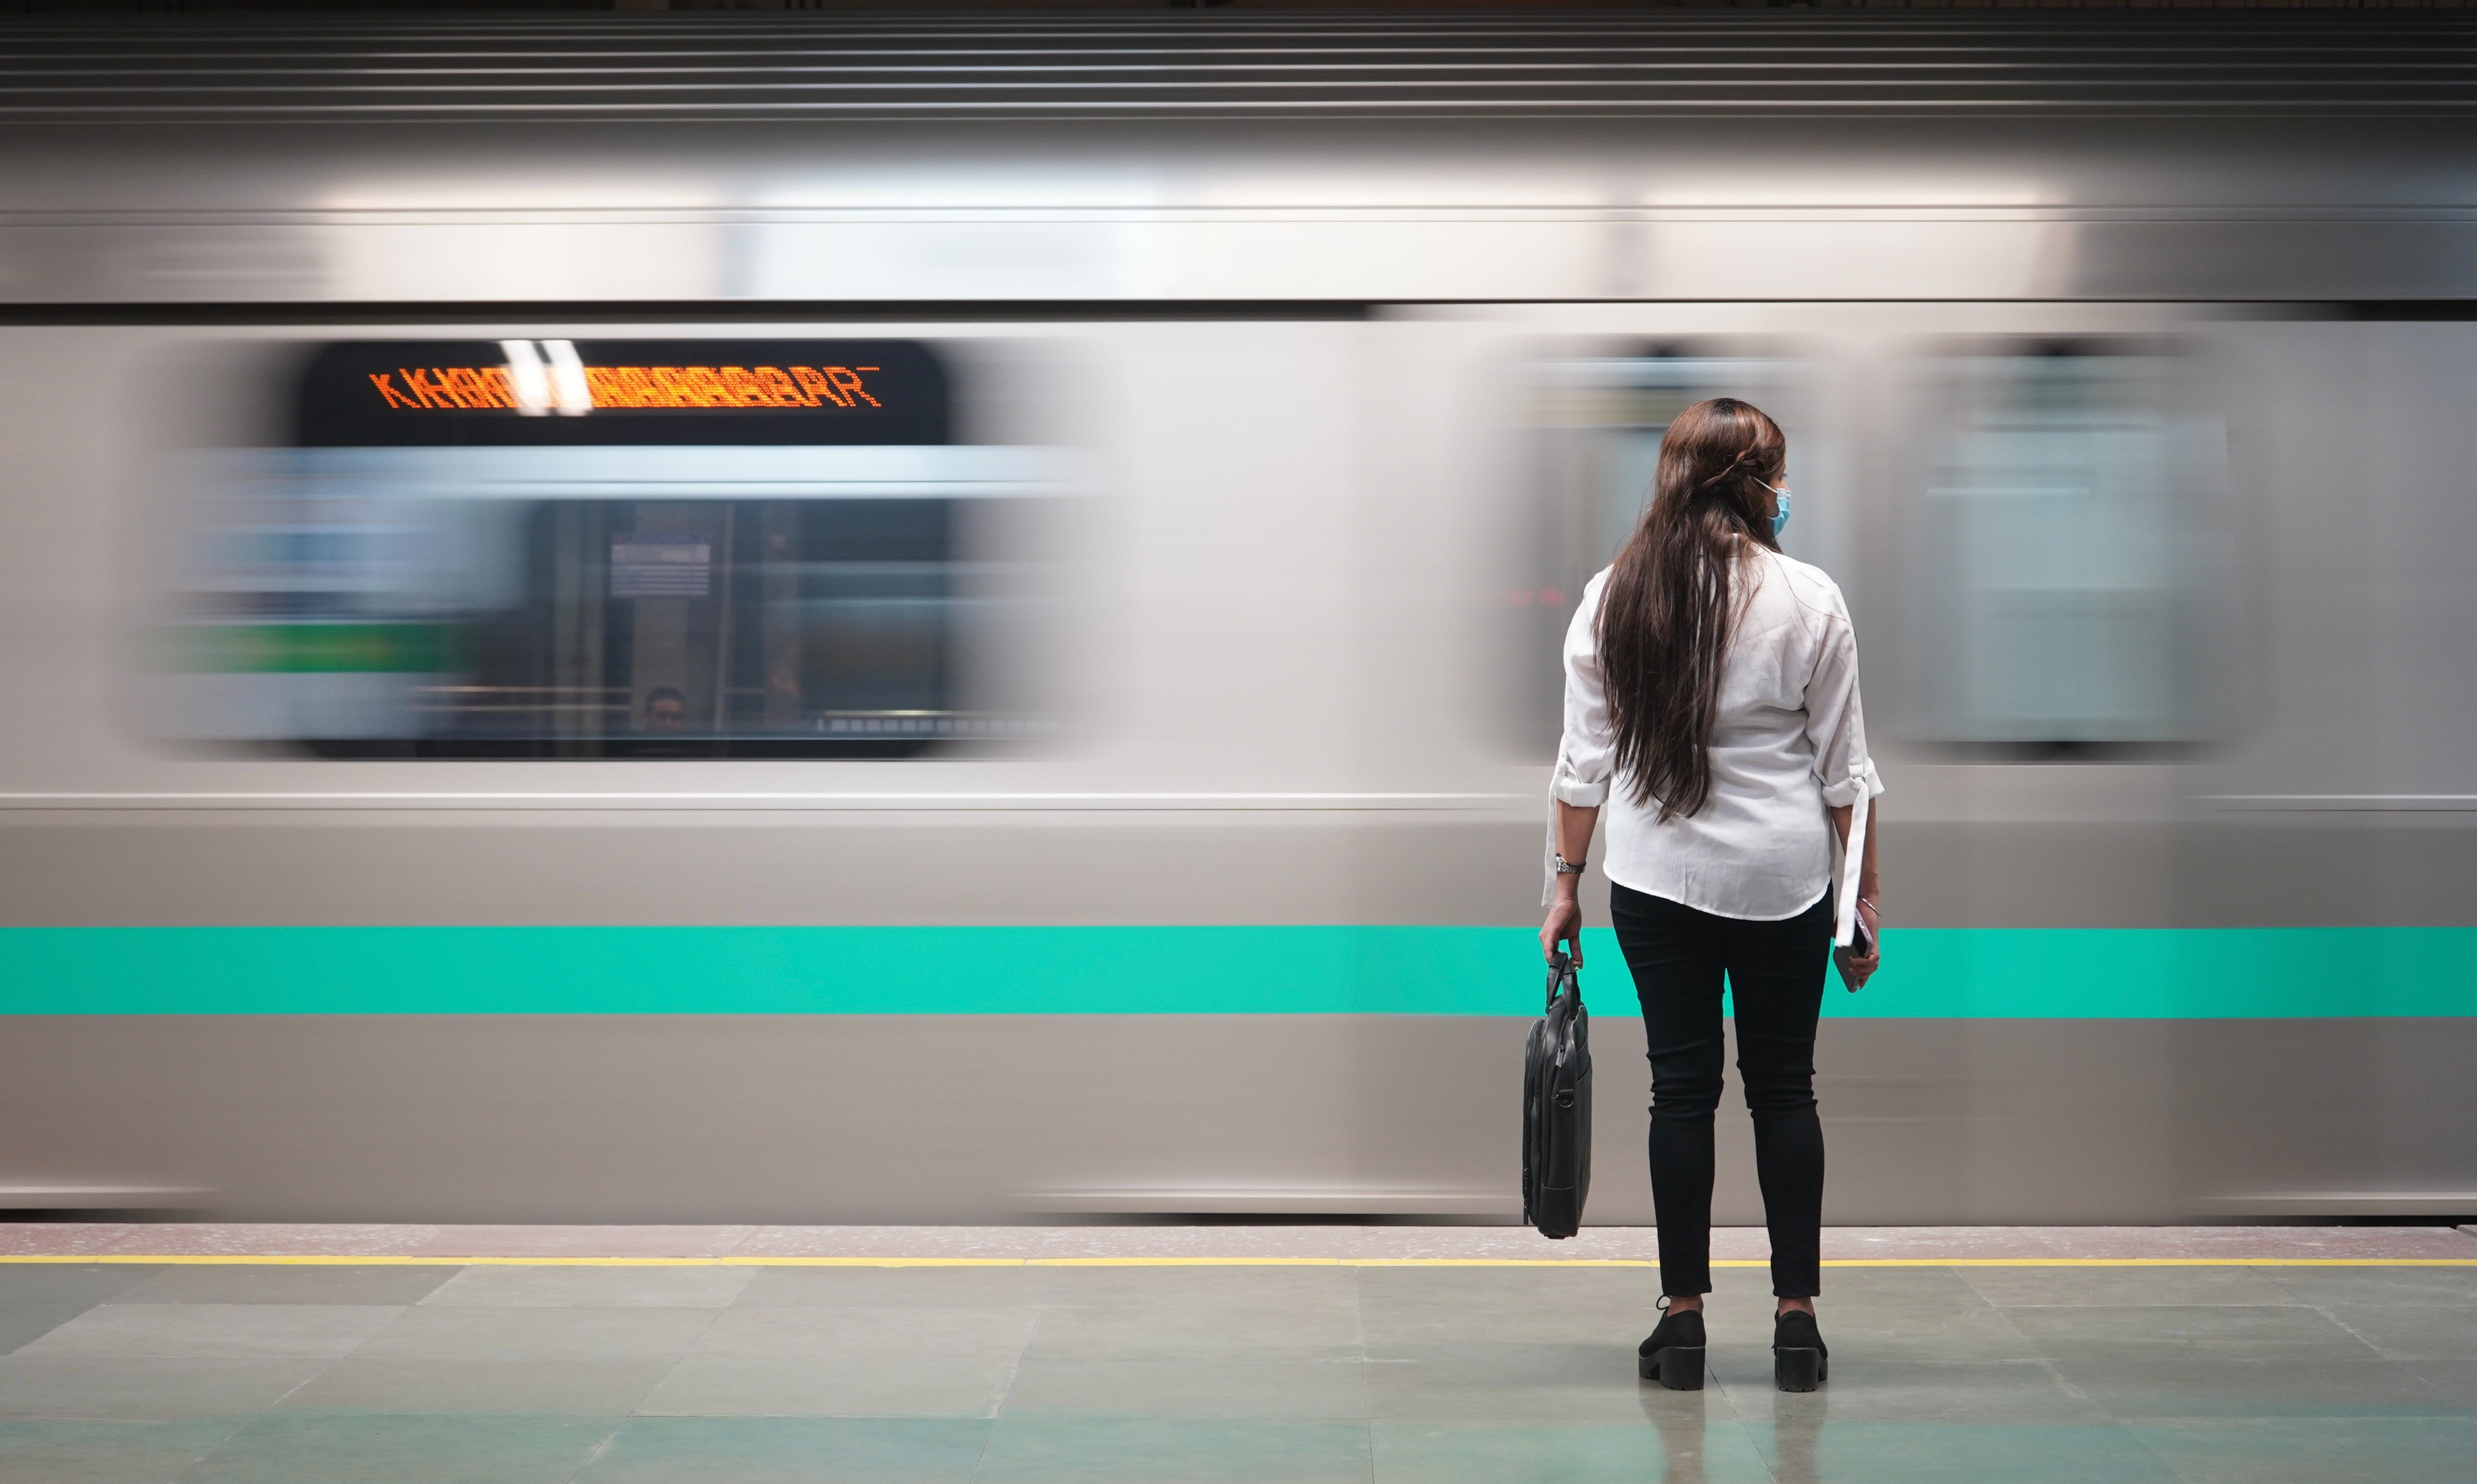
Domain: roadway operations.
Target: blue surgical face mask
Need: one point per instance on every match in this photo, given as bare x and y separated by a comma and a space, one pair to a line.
1780, 518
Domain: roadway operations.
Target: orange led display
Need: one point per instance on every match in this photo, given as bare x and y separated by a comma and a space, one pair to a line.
481, 388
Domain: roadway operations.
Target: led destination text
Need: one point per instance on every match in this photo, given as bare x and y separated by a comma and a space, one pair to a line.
478, 388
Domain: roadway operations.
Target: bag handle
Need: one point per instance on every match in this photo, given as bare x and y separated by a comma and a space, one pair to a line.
1561, 978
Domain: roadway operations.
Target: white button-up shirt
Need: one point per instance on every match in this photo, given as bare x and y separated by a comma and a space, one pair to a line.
1787, 740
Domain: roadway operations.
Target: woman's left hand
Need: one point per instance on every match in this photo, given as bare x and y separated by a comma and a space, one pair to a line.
1855, 970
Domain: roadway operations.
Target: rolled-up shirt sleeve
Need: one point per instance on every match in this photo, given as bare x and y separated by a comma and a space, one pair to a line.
1834, 722
1587, 754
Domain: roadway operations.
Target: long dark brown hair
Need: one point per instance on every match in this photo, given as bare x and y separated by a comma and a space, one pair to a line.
1668, 610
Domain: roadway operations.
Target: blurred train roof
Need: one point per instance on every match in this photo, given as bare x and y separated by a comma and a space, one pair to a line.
916, 8
271, 61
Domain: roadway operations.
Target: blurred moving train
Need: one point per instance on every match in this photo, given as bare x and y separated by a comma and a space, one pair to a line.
741, 618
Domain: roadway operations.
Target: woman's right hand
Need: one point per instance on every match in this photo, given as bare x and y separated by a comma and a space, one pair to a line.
1565, 923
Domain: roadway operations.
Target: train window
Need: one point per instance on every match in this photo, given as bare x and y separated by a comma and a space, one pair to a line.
2070, 552
650, 549
1597, 417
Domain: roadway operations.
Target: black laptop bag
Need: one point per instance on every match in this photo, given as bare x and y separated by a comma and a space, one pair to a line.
1557, 1108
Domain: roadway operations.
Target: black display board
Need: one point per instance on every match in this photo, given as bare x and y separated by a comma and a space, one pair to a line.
426, 393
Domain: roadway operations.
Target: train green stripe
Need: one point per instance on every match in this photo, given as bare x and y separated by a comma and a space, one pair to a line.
1939, 973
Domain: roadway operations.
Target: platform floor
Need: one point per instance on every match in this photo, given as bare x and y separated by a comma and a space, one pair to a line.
1286, 1354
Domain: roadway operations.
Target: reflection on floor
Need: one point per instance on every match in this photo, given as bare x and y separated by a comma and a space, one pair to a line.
636, 1356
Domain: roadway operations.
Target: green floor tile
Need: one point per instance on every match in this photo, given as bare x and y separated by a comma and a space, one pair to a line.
984, 1288
1174, 1450
46, 1282
2456, 1380
748, 1386
58, 1452
791, 1450
240, 1331
144, 1389
2453, 1287
1680, 1446
1939, 1392
1921, 1336
1818, 1448
1292, 1328
287, 1283
2081, 1287
23, 1323
2153, 1386
2249, 1331
365, 1450
869, 1335
537, 1387
591, 1335
2318, 1450
1189, 1387
2414, 1331
515, 1286
1519, 1385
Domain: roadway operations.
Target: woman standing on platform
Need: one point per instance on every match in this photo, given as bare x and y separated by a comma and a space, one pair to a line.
1712, 711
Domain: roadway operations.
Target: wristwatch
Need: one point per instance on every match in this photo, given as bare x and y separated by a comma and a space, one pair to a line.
1567, 867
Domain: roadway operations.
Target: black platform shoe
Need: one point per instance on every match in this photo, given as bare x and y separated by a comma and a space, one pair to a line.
1673, 1355
1800, 1362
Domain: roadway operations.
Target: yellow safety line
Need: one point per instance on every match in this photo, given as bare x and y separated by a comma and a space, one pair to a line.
324, 1259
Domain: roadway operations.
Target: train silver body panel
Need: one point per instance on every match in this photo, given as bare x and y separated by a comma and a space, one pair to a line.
693, 1119
1289, 311
1674, 208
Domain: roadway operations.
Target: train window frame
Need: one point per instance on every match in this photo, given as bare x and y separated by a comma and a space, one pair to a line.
1555, 538
2210, 557
766, 501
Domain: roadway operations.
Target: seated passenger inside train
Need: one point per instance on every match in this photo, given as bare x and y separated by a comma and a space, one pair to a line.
667, 710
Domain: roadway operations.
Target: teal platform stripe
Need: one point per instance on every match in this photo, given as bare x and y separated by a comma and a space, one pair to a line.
2040, 973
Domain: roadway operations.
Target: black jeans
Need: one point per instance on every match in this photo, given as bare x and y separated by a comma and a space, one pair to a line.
1775, 973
